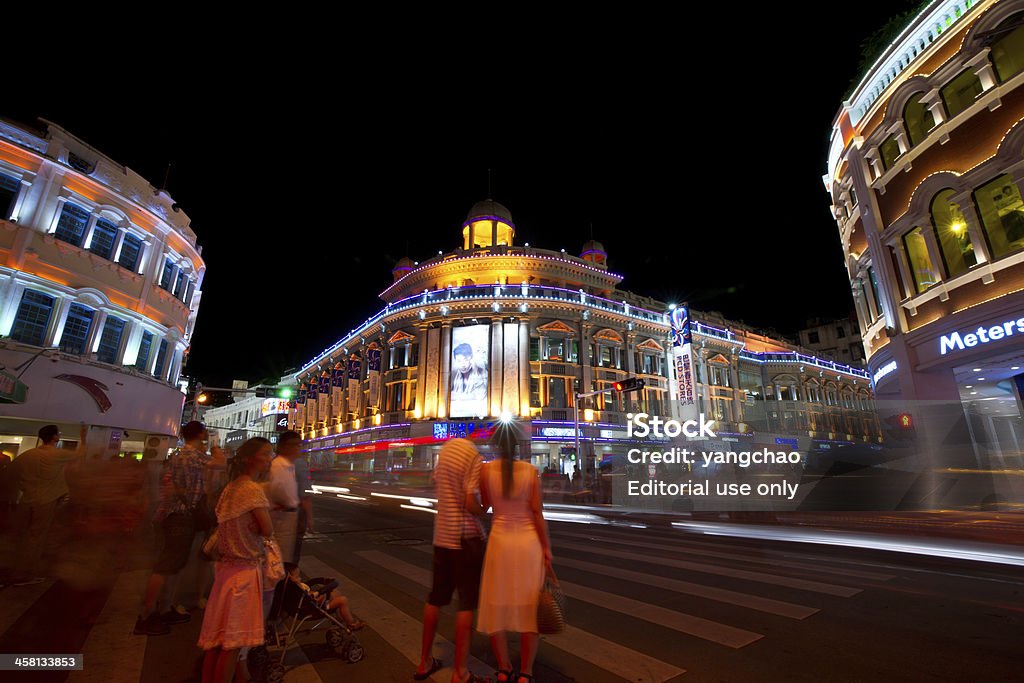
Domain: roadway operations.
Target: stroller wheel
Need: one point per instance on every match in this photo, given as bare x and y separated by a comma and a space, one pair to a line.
355, 652
335, 638
276, 673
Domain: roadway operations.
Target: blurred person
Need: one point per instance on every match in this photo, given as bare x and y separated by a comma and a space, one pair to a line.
216, 480
458, 555
182, 496
8, 493
282, 490
305, 485
234, 612
518, 554
40, 476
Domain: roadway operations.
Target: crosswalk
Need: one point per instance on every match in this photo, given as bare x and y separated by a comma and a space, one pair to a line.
773, 590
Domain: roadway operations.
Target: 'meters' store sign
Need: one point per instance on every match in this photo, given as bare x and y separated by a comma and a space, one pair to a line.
955, 341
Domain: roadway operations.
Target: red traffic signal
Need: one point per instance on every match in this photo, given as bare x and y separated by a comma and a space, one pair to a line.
628, 384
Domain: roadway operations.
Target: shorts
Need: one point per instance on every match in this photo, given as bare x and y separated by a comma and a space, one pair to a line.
458, 569
178, 534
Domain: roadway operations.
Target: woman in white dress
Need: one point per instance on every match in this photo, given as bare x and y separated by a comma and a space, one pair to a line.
518, 553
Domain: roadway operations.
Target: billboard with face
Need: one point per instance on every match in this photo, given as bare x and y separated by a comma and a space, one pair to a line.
469, 371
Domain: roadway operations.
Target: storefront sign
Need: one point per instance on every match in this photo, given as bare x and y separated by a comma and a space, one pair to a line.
274, 406
955, 341
886, 369
463, 430
557, 431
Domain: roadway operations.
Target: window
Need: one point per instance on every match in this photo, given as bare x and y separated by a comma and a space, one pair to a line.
921, 268
961, 92
534, 348
1002, 215
534, 392
853, 196
840, 331
103, 237
951, 234
131, 248
889, 151
557, 395
874, 291
144, 348
32, 319
110, 340
1008, 52
76, 329
71, 224
918, 119
179, 285
161, 356
8, 195
168, 273
813, 338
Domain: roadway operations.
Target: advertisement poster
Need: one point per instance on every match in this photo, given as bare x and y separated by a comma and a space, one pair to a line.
300, 408
354, 366
469, 371
311, 391
682, 359
373, 374
323, 400
337, 389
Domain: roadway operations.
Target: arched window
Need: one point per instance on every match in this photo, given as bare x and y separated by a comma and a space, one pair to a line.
1008, 52
889, 151
922, 270
951, 234
1002, 215
961, 92
918, 119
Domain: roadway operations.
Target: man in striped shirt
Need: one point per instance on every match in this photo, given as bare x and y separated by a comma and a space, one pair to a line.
458, 554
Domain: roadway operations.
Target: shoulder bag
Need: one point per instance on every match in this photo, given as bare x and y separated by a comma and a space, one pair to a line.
551, 605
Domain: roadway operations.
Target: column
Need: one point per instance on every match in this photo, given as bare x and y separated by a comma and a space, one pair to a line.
90, 228
130, 329
63, 306
56, 215
983, 69
10, 298
421, 372
496, 368
524, 367
19, 203
444, 381
118, 243
933, 100
99, 319
734, 381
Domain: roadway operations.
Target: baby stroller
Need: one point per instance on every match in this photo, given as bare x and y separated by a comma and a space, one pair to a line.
291, 600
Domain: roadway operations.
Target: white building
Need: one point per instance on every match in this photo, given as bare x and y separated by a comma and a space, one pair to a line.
100, 281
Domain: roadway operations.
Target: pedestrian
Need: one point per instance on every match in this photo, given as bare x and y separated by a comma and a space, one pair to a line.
518, 554
283, 493
40, 476
234, 613
305, 485
182, 500
458, 555
9, 492
216, 478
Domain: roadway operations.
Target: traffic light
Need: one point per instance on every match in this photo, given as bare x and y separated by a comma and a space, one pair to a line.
628, 384
286, 393
900, 426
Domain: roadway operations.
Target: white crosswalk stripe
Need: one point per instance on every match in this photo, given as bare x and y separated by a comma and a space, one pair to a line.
610, 656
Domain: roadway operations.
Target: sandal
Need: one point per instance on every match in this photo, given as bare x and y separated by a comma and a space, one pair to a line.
528, 677
509, 675
435, 666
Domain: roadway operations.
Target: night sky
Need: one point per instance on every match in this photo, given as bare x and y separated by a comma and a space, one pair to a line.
697, 163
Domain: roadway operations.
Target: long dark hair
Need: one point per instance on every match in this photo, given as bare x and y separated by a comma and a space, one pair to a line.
505, 441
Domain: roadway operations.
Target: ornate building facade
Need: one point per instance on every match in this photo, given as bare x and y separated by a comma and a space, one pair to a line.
926, 177
495, 329
100, 283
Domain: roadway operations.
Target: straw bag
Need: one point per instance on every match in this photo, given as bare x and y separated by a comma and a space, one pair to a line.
273, 566
551, 605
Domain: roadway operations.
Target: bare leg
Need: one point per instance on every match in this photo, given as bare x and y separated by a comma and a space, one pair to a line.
463, 628
224, 658
154, 587
527, 652
210, 664
431, 614
499, 646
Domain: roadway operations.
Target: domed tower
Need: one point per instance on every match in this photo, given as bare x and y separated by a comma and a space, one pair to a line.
488, 224
594, 252
402, 268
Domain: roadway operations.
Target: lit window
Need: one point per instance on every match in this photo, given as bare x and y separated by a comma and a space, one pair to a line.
103, 236
1002, 215
32, 319
76, 329
951, 234
921, 268
131, 248
145, 346
918, 119
71, 224
961, 92
110, 340
889, 151
1008, 52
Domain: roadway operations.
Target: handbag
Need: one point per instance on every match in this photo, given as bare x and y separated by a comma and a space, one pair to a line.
209, 549
273, 565
551, 605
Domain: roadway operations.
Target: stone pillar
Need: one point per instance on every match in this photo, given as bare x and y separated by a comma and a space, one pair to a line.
496, 369
99, 319
524, 367
421, 371
63, 306
445, 381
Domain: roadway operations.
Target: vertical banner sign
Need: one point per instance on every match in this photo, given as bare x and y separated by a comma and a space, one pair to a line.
300, 407
324, 398
354, 366
373, 373
311, 392
337, 390
291, 414
682, 358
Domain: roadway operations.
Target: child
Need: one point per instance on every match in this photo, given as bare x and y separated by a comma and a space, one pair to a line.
330, 602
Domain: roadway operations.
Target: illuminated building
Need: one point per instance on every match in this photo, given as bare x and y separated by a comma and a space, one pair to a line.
926, 174
100, 282
493, 328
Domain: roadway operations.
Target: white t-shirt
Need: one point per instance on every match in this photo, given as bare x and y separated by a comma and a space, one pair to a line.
282, 489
